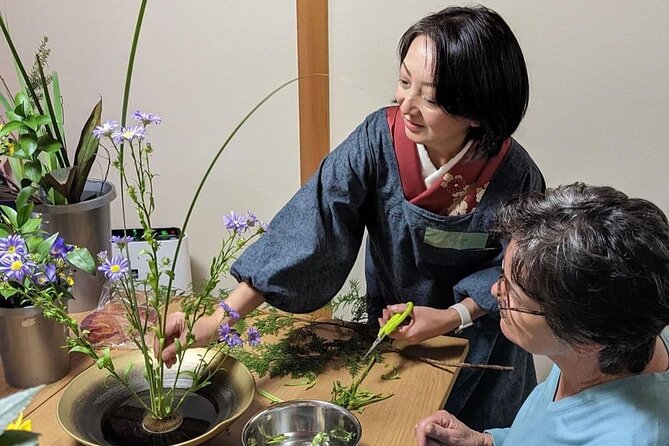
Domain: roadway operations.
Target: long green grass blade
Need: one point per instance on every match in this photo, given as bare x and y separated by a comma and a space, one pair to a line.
5, 103
58, 105
62, 155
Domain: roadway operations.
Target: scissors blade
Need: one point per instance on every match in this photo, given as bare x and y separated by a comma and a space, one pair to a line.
374, 345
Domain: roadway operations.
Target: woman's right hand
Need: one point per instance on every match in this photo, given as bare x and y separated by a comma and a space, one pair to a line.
425, 323
204, 331
442, 428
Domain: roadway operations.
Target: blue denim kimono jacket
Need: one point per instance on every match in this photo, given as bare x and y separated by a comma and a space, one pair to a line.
412, 254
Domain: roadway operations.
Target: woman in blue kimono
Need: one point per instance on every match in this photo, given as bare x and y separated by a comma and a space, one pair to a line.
425, 178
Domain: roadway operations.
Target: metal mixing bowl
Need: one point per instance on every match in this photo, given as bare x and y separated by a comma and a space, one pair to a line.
299, 422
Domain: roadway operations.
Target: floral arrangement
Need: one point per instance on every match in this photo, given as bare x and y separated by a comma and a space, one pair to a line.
35, 267
32, 138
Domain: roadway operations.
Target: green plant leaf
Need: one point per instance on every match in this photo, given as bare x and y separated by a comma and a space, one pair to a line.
81, 259
24, 213
36, 121
10, 127
10, 214
8, 292
87, 149
28, 143
47, 144
80, 349
33, 171
19, 438
11, 116
23, 196
44, 248
12, 405
22, 105
60, 179
58, 108
31, 226
5, 103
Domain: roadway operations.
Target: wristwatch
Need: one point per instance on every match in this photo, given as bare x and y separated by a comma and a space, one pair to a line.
465, 317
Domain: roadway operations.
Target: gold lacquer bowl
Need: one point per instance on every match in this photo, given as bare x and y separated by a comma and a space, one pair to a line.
95, 409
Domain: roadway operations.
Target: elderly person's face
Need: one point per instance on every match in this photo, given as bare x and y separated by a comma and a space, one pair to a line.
522, 320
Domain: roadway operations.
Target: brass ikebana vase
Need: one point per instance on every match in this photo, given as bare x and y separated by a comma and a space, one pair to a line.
99, 411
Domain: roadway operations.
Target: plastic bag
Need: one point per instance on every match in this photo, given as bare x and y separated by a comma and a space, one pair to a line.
108, 325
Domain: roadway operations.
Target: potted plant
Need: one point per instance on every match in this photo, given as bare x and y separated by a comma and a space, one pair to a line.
36, 272
38, 167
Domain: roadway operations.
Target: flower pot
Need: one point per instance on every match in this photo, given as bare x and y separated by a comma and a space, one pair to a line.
86, 224
31, 347
97, 410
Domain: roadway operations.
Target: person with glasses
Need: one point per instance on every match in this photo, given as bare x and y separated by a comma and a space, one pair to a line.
585, 281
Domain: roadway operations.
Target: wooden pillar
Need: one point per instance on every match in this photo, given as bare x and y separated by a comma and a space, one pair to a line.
314, 96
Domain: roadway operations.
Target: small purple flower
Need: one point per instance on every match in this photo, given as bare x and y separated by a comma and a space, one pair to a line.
115, 268
106, 129
146, 118
236, 223
229, 336
251, 219
47, 275
264, 227
59, 249
121, 241
129, 134
102, 256
16, 268
13, 245
254, 336
231, 312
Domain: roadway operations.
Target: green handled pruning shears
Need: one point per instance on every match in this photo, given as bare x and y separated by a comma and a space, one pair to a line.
390, 326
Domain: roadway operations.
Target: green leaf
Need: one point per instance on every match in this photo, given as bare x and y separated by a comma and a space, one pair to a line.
47, 144
7, 292
61, 179
105, 360
11, 116
19, 438
24, 213
127, 369
31, 226
10, 214
81, 259
11, 406
84, 157
33, 243
5, 103
28, 143
44, 248
33, 171
36, 121
10, 127
58, 109
23, 197
80, 349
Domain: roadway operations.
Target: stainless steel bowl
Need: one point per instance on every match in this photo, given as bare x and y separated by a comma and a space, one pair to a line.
299, 422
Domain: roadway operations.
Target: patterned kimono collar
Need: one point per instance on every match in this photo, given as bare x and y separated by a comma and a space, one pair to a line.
458, 192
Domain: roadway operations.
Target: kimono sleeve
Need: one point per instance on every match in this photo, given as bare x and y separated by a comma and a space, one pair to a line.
478, 284
312, 243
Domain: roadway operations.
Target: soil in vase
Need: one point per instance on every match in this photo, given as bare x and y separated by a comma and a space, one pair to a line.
122, 424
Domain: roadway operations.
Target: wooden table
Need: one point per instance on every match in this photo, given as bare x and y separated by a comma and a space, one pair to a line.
420, 390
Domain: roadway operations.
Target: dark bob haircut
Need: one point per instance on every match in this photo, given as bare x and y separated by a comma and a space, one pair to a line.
597, 262
479, 71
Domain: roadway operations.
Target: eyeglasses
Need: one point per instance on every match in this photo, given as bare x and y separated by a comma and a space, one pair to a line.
504, 303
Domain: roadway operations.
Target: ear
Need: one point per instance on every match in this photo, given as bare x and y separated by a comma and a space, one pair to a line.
474, 124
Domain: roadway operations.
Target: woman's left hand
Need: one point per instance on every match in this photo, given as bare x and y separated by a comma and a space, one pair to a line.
442, 428
424, 322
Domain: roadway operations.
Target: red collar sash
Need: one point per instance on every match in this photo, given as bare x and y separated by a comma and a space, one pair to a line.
458, 192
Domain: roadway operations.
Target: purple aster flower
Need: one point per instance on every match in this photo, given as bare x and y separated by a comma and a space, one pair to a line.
14, 267
251, 219
115, 268
229, 336
235, 223
146, 118
121, 241
254, 336
263, 226
106, 129
129, 134
13, 245
59, 249
231, 312
48, 274
102, 256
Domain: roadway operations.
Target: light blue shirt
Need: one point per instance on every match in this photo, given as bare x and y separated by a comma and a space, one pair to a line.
632, 411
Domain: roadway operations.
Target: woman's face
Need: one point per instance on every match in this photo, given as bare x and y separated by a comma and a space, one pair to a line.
425, 122
529, 331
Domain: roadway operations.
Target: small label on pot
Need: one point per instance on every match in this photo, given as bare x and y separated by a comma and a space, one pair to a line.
28, 322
